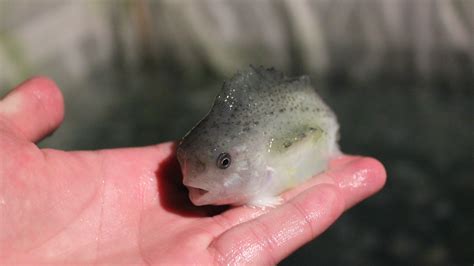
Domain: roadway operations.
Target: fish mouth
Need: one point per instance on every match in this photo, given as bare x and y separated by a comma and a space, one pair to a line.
197, 195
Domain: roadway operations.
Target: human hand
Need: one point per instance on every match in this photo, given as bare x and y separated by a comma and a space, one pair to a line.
129, 206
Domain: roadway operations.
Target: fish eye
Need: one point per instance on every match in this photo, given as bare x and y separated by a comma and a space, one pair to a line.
223, 160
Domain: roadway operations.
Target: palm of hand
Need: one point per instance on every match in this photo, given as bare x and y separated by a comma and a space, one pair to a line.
127, 205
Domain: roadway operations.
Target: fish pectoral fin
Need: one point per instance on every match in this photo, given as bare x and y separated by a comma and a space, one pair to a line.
285, 141
266, 201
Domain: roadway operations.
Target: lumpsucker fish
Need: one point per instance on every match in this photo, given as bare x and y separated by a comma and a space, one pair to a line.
264, 134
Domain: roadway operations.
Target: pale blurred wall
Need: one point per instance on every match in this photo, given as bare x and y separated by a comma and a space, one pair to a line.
64, 38
59, 38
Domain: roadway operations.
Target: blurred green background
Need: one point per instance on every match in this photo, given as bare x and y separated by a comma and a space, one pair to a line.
398, 73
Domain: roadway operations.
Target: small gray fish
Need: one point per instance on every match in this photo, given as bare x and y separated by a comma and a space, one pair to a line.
265, 133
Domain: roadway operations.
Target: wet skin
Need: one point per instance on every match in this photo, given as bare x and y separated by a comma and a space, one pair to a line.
128, 205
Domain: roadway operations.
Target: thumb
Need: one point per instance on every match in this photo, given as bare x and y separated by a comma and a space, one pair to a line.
34, 109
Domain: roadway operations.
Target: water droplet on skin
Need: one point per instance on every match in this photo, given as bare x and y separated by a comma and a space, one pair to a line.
357, 180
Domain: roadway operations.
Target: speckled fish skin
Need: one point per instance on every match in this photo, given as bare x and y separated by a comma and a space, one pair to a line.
276, 130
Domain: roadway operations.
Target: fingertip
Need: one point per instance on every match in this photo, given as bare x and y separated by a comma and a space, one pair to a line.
358, 179
378, 174
367, 172
35, 107
48, 95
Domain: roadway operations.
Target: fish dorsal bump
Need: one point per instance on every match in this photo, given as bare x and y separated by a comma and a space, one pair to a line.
255, 82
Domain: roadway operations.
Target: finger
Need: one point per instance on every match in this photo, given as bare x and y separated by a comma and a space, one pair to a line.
353, 178
273, 236
34, 109
357, 177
